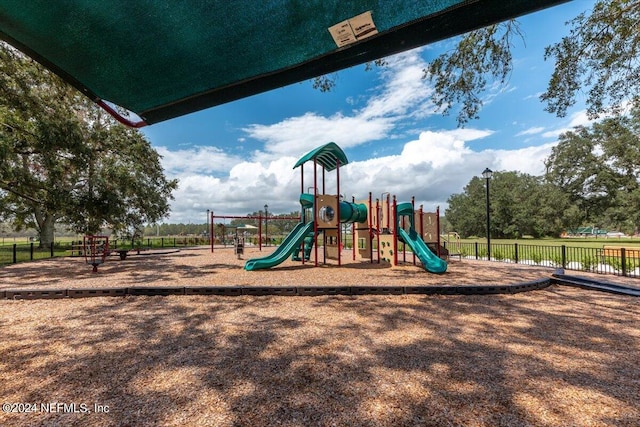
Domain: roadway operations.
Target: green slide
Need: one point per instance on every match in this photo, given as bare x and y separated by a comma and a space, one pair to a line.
289, 245
431, 261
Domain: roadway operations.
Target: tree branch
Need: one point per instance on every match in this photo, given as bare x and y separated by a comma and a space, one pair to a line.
8, 187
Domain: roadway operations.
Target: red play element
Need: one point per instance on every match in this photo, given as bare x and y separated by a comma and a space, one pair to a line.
96, 249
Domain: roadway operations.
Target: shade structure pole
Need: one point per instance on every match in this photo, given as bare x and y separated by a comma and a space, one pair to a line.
338, 211
395, 232
315, 207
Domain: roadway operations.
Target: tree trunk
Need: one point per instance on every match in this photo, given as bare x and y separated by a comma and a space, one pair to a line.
46, 231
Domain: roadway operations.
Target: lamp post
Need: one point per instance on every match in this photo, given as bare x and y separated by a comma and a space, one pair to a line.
266, 215
487, 174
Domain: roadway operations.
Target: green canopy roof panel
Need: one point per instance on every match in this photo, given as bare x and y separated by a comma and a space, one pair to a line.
161, 59
328, 155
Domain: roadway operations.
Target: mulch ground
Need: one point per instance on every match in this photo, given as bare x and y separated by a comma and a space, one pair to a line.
559, 356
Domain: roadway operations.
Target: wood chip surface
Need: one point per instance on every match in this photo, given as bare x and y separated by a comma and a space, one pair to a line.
559, 356
200, 267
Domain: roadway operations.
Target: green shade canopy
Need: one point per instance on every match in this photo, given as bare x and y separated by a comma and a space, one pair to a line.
328, 155
161, 59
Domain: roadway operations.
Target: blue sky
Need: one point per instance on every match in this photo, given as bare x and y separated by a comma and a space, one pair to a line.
236, 157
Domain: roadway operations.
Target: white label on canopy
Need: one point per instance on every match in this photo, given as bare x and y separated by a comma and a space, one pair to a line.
363, 25
354, 29
342, 34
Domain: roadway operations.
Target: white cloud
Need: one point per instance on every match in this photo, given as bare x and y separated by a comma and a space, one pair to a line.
467, 134
299, 135
432, 167
578, 118
435, 166
435, 149
401, 95
528, 160
494, 90
403, 91
535, 96
531, 131
196, 160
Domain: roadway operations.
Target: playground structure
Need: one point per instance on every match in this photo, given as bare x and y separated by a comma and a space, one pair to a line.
378, 229
393, 224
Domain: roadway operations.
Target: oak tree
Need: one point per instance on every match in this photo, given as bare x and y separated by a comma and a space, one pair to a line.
64, 160
599, 58
598, 169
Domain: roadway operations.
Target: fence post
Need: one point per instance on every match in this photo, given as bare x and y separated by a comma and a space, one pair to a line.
15, 253
162, 242
515, 252
623, 256
564, 256
52, 249
476, 245
31, 251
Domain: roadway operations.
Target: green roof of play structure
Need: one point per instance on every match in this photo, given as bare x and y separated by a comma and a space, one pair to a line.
328, 155
161, 59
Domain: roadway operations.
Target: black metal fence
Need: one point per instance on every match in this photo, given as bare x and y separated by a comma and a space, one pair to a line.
14, 253
158, 242
606, 260
11, 254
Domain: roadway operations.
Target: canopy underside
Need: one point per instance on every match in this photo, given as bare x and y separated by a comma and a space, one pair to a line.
162, 59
